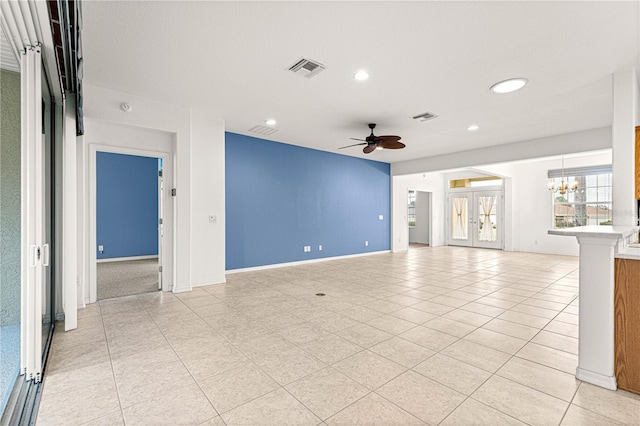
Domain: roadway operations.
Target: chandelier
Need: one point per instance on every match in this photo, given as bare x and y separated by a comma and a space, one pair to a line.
564, 187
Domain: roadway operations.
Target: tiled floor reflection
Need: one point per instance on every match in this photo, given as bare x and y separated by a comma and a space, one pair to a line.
443, 335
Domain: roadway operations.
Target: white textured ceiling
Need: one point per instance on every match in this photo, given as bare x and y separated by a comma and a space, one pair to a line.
230, 57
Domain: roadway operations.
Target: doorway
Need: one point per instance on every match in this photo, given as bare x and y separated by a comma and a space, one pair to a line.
419, 218
475, 218
129, 224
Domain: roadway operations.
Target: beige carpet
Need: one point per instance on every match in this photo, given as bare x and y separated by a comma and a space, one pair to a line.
126, 278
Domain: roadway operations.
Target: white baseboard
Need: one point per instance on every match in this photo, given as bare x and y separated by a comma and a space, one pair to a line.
123, 259
607, 382
303, 262
208, 283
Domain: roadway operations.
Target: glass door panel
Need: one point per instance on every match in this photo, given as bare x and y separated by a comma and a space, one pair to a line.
10, 233
47, 211
487, 211
459, 220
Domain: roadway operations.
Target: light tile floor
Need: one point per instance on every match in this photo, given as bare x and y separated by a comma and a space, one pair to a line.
442, 335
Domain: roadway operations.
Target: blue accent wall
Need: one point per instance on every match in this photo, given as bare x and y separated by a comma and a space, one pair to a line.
280, 198
127, 205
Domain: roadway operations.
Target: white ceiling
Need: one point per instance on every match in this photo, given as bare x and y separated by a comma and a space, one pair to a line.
231, 58
8, 60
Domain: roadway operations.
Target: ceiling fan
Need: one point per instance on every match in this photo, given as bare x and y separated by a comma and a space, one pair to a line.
374, 142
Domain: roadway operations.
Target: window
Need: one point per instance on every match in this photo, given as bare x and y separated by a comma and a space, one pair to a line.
411, 209
590, 204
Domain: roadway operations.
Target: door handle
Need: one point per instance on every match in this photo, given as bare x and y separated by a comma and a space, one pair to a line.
45, 255
34, 255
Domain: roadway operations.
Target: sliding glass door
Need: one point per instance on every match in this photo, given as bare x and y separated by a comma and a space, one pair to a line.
10, 234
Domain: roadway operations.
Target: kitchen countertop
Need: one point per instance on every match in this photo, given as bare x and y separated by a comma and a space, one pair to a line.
625, 249
632, 251
595, 231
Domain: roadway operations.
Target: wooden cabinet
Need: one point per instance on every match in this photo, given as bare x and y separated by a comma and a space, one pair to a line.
627, 324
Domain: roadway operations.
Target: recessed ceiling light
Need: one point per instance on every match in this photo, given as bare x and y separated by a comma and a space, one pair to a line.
270, 122
508, 86
361, 75
473, 128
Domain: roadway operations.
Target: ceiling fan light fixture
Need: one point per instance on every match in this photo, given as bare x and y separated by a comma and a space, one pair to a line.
379, 148
361, 75
509, 86
473, 127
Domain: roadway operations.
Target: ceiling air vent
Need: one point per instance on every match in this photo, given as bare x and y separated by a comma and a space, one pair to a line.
424, 117
307, 67
263, 130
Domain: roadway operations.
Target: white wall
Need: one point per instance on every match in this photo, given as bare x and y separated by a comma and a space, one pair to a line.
528, 202
420, 233
625, 118
199, 176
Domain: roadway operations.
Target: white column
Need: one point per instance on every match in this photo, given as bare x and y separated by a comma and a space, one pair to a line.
625, 118
69, 219
596, 330
207, 205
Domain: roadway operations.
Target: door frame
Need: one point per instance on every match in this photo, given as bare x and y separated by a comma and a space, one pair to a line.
168, 243
429, 213
471, 194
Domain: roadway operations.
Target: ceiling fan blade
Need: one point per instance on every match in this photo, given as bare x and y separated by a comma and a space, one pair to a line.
391, 144
356, 139
388, 138
369, 148
355, 144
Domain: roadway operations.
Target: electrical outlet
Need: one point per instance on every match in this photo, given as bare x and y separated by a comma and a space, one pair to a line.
380, 217
307, 249
320, 247
366, 243
100, 248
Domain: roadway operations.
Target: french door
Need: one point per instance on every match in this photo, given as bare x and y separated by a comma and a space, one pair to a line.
475, 219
